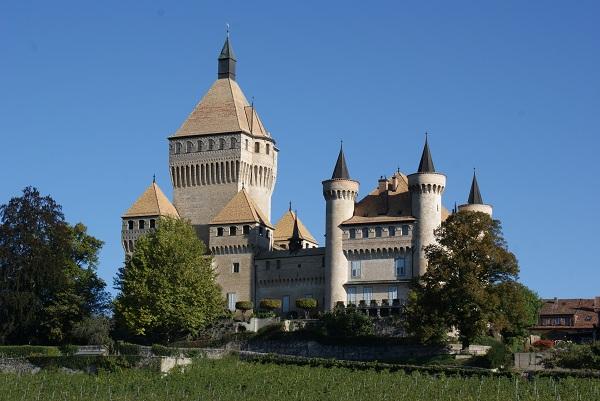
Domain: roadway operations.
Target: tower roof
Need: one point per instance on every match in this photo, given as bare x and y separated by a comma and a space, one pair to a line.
426, 163
284, 229
152, 202
241, 209
474, 194
341, 170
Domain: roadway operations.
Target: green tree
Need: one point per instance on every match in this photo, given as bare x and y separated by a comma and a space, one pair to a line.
306, 304
48, 278
467, 268
518, 310
167, 287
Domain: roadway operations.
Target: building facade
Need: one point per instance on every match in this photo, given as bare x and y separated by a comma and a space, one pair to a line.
223, 169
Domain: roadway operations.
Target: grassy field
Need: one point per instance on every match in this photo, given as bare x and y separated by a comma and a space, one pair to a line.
231, 379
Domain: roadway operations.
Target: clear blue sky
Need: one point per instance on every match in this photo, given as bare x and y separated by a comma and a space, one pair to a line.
90, 90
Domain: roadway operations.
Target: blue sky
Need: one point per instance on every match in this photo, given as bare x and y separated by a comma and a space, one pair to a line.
89, 92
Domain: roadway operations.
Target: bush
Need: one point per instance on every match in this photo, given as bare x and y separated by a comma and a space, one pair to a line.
93, 331
270, 304
124, 348
161, 350
498, 356
306, 304
349, 323
244, 305
18, 351
68, 349
574, 356
543, 344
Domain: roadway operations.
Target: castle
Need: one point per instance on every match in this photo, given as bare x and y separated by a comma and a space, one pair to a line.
223, 168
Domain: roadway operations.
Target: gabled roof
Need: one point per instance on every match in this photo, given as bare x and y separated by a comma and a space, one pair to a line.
426, 163
241, 209
474, 194
152, 202
284, 229
224, 108
340, 171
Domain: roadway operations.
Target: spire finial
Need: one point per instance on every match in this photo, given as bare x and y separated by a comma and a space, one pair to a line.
290, 209
227, 28
226, 60
153, 178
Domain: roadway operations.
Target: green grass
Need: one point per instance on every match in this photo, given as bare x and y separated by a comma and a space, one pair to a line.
231, 379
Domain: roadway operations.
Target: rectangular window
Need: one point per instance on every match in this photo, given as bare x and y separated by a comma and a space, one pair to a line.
365, 233
219, 231
392, 231
351, 294
268, 148
285, 304
235, 268
130, 224
256, 147
392, 293
405, 229
378, 231
246, 144
231, 300
268, 265
367, 294
352, 233
400, 266
246, 230
141, 224
355, 268
152, 223
232, 231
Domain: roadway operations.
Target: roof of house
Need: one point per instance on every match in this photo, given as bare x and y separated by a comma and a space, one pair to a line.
387, 206
152, 202
284, 228
241, 209
224, 108
584, 310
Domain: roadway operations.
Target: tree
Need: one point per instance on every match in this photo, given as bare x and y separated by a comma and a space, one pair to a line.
347, 323
518, 310
48, 278
468, 268
244, 306
270, 304
167, 287
306, 304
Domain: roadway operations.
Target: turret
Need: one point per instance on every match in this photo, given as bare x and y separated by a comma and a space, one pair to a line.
475, 201
340, 193
426, 187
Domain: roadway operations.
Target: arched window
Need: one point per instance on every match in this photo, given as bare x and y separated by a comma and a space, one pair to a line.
178, 148
130, 225
221, 144
211, 144
200, 146
141, 224
233, 143
232, 231
189, 147
152, 223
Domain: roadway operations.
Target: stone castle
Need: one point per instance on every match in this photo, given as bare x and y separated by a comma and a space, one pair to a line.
223, 168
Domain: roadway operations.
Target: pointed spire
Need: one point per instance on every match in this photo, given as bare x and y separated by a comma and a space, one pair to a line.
474, 195
296, 240
341, 170
426, 163
227, 60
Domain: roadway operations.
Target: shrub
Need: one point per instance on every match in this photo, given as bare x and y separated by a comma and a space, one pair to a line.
18, 351
306, 304
349, 323
543, 344
244, 305
498, 356
574, 356
161, 350
68, 349
93, 331
270, 304
124, 348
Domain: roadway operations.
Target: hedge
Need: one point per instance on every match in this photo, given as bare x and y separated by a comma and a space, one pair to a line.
18, 351
86, 363
125, 348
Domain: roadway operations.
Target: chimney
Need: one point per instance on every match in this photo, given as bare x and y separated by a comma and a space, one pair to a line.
395, 182
383, 184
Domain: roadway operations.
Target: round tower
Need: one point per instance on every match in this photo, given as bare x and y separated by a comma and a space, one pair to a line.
426, 188
475, 201
340, 193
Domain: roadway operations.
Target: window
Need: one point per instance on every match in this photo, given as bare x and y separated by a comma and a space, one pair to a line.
219, 231
285, 304
260, 230
268, 233
231, 300
211, 144
365, 233
378, 231
351, 294
189, 147
392, 293
246, 230
352, 233
256, 147
130, 224
268, 148
392, 231
233, 143
125, 246
235, 268
232, 231
178, 147
141, 224
400, 266
200, 146
278, 263
268, 265
221, 144
152, 223
405, 229
355, 268
246, 144
367, 294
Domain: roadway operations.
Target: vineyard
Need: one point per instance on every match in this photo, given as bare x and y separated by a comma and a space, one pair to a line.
231, 379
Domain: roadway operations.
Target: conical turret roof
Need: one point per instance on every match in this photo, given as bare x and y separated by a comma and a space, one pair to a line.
475, 195
341, 169
426, 163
